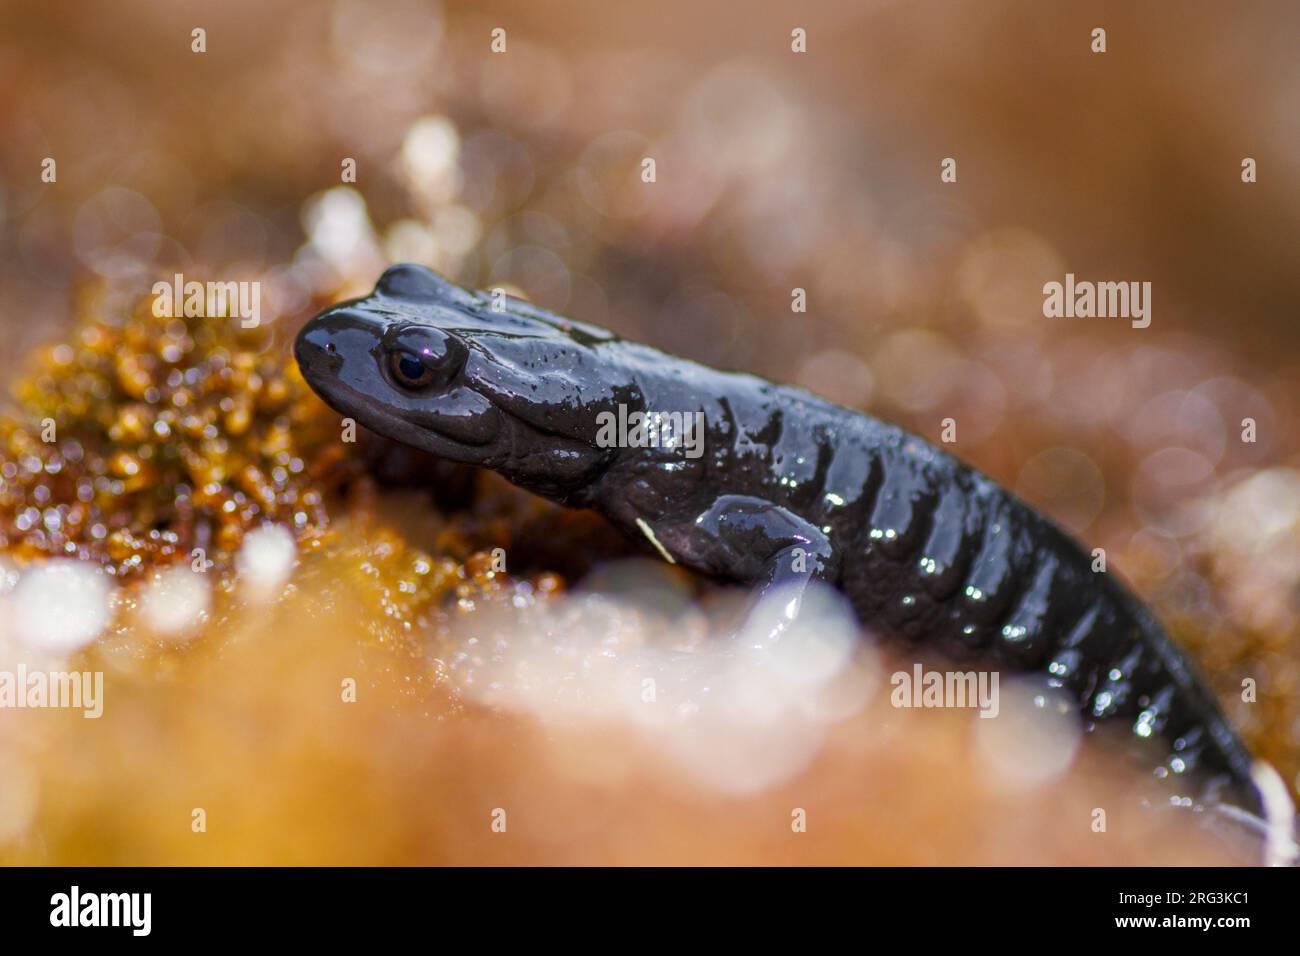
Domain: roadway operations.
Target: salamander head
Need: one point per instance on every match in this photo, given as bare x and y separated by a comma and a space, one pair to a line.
471, 377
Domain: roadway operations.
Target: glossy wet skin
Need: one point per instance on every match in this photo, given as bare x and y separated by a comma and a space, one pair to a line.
484, 382
926, 549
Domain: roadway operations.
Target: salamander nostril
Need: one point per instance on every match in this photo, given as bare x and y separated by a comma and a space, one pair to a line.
314, 348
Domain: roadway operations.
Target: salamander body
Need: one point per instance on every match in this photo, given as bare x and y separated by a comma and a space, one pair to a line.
779, 489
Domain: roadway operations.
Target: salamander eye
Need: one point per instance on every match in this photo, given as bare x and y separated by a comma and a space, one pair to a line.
408, 371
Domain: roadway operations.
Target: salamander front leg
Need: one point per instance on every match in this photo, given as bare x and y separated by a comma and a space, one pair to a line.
770, 547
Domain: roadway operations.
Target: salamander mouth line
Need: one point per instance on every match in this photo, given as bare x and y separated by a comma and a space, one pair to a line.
394, 423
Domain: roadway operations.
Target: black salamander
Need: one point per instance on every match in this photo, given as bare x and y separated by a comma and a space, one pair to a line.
788, 488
